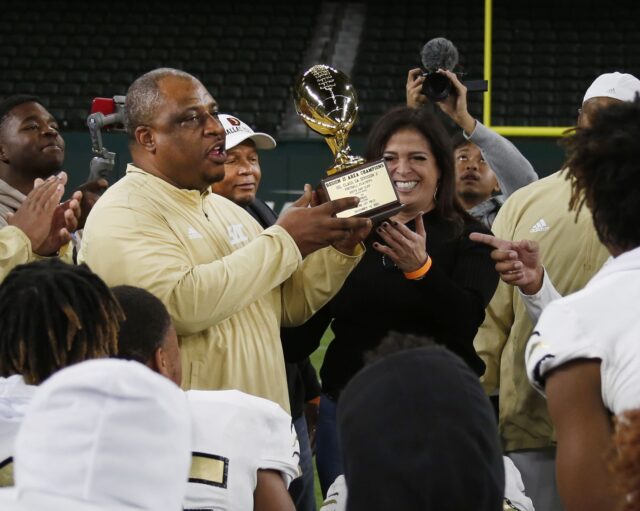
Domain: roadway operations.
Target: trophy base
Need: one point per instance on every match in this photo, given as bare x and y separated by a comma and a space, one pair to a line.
369, 182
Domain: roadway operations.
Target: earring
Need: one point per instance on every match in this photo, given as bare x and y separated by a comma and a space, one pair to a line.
435, 192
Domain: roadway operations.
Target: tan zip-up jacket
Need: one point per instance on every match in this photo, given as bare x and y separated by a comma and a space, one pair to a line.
227, 283
571, 254
15, 249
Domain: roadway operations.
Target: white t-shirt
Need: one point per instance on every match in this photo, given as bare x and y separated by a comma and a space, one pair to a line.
15, 395
235, 435
537, 302
602, 321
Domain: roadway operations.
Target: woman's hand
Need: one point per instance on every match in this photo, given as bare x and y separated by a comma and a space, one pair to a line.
407, 249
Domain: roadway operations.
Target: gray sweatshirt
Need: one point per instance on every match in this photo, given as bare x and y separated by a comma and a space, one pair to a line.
10, 200
511, 168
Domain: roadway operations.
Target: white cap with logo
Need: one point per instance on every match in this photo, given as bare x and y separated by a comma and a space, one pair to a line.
238, 131
620, 86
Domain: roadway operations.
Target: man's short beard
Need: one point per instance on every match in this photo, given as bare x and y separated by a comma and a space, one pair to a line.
244, 201
470, 195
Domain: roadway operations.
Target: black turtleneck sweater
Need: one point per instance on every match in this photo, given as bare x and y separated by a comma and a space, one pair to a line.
447, 304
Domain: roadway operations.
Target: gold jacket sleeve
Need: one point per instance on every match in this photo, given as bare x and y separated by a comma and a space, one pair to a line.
494, 331
15, 249
320, 276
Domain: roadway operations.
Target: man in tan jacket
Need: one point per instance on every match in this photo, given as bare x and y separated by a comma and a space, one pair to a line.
572, 254
227, 283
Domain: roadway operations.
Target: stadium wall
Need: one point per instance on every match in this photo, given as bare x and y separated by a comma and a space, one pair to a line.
286, 168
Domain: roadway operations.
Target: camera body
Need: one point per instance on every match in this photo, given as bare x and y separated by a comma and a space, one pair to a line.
437, 87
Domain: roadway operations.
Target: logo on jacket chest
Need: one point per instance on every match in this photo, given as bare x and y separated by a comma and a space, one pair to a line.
540, 226
236, 234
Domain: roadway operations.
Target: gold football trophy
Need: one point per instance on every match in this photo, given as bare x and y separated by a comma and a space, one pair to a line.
327, 102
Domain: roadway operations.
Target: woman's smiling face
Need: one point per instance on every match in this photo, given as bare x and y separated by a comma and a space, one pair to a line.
413, 169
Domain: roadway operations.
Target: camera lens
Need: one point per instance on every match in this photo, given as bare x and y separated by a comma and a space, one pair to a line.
436, 86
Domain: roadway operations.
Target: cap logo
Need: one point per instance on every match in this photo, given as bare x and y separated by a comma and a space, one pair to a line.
612, 90
233, 121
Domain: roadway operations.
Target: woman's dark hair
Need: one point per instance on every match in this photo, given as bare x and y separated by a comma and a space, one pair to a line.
603, 164
426, 123
53, 315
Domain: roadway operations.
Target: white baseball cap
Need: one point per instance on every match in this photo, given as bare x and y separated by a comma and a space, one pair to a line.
104, 435
238, 131
620, 86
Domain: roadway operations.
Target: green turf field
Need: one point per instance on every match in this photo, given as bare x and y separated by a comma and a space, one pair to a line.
316, 359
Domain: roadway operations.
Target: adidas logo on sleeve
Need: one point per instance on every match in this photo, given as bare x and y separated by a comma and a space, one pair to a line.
540, 226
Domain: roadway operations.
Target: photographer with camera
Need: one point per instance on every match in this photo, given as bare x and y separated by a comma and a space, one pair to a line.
485, 161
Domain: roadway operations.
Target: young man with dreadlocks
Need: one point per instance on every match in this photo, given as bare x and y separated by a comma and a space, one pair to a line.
52, 315
583, 354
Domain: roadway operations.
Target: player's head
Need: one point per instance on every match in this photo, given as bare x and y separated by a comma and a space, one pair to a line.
146, 332
603, 167
30, 140
242, 171
173, 125
607, 89
395, 342
53, 315
417, 426
475, 180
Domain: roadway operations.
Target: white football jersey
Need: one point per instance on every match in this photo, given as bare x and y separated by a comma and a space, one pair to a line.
235, 435
600, 321
15, 396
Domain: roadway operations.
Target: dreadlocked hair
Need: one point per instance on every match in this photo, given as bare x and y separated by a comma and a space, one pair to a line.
53, 315
604, 171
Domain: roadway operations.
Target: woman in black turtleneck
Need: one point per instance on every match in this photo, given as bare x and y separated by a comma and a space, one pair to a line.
420, 274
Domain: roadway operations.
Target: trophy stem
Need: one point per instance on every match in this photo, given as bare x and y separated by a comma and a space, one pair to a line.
343, 159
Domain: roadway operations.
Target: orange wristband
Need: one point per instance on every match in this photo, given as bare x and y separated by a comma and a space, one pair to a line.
420, 272
314, 401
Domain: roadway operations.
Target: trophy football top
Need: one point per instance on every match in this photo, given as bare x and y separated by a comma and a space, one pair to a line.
326, 100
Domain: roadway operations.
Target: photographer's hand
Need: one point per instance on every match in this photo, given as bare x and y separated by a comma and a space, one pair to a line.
415, 98
455, 106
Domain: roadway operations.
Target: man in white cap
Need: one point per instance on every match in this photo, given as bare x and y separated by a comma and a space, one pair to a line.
536, 219
242, 166
102, 435
242, 175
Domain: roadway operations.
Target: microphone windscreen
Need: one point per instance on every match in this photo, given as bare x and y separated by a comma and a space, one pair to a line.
439, 53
